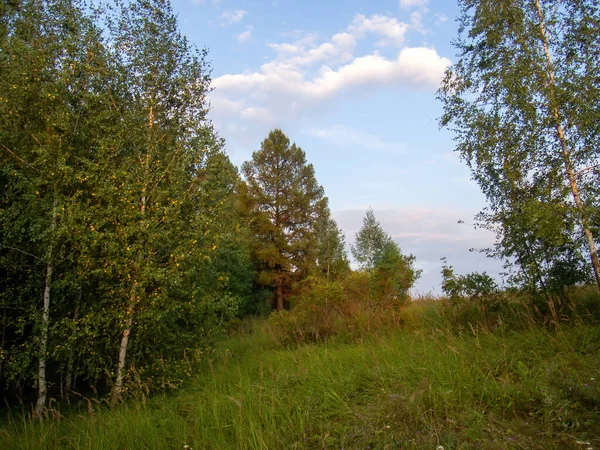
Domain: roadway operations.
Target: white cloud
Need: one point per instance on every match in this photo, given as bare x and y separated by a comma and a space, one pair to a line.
304, 52
389, 28
349, 138
229, 17
246, 35
214, 3
440, 18
417, 67
308, 70
405, 4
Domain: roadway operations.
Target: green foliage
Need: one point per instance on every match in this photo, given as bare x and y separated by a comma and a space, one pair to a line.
284, 202
392, 274
115, 183
331, 258
371, 242
519, 100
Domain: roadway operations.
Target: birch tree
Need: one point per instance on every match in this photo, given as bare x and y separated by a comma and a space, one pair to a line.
523, 101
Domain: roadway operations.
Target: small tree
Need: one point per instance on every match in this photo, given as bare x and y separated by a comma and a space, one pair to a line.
371, 242
332, 260
392, 274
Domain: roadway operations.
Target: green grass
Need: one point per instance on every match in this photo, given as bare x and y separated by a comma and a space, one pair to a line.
418, 387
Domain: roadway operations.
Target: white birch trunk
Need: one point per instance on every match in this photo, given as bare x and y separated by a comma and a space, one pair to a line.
42, 386
566, 154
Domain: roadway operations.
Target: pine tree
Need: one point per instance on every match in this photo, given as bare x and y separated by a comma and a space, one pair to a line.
286, 202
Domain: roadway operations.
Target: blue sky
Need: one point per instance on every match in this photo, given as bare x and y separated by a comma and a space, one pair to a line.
353, 84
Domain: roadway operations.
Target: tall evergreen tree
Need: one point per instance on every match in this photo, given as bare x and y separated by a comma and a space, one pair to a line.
286, 202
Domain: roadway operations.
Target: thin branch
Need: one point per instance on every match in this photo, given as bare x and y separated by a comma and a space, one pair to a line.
17, 157
21, 251
587, 169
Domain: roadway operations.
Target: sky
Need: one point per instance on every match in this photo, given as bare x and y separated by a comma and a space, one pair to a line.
353, 83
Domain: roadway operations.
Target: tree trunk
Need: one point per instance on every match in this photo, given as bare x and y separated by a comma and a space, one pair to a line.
566, 154
116, 391
70, 364
42, 387
279, 293
133, 299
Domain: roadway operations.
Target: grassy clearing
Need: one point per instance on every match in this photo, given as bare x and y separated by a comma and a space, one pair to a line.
418, 387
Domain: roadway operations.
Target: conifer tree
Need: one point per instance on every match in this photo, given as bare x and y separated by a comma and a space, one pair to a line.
285, 203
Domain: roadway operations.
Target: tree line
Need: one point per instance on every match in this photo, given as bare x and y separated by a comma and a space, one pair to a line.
128, 240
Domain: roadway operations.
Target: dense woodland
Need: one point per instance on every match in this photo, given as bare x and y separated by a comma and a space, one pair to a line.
129, 242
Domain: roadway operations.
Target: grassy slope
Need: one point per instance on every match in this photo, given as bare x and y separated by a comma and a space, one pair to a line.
414, 388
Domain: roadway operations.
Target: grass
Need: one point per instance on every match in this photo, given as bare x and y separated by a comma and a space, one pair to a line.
417, 387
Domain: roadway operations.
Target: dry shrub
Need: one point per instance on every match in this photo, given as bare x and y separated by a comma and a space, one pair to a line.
351, 309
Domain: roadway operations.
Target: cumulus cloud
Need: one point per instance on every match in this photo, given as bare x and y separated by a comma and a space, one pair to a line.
405, 4
307, 71
417, 67
390, 29
229, 17
246, 35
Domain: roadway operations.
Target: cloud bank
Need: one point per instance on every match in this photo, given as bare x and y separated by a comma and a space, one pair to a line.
306, 72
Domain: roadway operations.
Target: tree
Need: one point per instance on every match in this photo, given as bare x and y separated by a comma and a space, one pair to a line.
149, 200
122, 245
331, 258
371, 242
523, 100
285, 202
391, 273
49, 59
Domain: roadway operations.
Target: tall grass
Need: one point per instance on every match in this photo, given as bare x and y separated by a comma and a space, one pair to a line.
420, 386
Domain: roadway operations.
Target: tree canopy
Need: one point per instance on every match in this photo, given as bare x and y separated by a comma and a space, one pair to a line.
522, 99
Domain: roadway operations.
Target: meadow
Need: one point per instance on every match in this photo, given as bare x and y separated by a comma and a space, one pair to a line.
426, 384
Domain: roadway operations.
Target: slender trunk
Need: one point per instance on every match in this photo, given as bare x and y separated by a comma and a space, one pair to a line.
69, 376
42, 386
566, 154
116, 391
279, 293
133, 298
